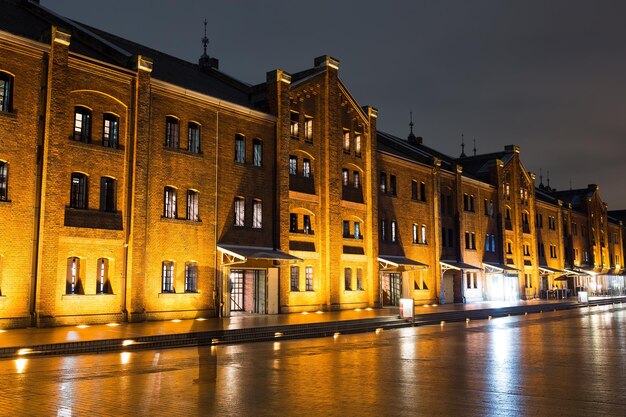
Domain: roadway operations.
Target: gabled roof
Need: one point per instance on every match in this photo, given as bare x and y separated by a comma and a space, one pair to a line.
31, 20
575, 197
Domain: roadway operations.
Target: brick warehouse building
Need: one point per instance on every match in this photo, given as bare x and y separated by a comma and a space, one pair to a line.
136, 186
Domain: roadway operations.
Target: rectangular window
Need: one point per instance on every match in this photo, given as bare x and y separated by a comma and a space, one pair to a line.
383, 230
416, 234
359, 279
169, 203
346, 141
192, 205
171, 133
240, 211
357, 144
240, 148
295, 278
486, 207
308, 128
490, 208
422, 191
528, 280
257, 152
191, 277
308, 278
78, 196
306, 168
102, 276
392, 185
193, 137
306, 224
383, 182
257, 214
487, 246
394, 231
293, 222
471, 200
293, 165
357, 230
107, 194
4, 181
110, 130
414, 191
357, 179
295, 125
347, 275
6, 92
465, 202
346, 228
493, 243
423, 235
73, 284
82, 124
467, 240
345, 177
167, 277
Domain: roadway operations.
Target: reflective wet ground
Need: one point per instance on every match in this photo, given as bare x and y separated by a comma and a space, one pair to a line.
552, 364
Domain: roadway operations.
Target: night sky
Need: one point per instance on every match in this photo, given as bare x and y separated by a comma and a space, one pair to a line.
549, 76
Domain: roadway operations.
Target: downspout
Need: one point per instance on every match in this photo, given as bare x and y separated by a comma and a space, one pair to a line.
217, 295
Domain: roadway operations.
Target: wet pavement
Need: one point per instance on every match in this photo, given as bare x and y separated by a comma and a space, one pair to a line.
565, 363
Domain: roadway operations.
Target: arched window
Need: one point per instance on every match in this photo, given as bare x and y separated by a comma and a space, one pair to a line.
73, 284
191, 277
169, 203
167, 276
6, 92
192, 205
78, 191
82, 124
102, 277
240, 211
257, 213
110, 130
193, 144
171, 132
257, 152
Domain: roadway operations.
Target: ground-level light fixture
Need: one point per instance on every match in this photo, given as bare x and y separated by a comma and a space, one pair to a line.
128, 342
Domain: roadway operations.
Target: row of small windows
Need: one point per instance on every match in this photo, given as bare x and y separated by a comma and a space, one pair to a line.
82, 127
295, 220
490, 243
418, 189
79, 192
418, 232
170, 204
348, 284
240, 150
167, 277
75, 280
295, 130
294, 278
240, 212
347, 143
172, 135
345, 178
6, 92
353, 232
305, 171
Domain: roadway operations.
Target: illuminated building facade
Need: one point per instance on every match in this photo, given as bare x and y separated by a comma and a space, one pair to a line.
137, 186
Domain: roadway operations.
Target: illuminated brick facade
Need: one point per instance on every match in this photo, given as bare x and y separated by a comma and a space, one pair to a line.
141, 187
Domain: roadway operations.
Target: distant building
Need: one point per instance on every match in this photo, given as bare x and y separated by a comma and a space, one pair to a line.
137, 186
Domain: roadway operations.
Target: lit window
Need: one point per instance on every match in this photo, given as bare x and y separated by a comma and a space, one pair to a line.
295, 125
192, 205
167, 276
394, 231
240, 211
240, 149
383, 182
257, 152
107, 194
191, 277
306, 168
293, 165
526, 249
4, 181
357, 230
359, 279
82, 124
345, 176
346, 141
295, 278
193, 137
383, 230
308, 129
78, 193
357, 179
73, 283
423, 234
347, 274
416, 234
487, 246
308, 275
306, 220
169, 203
110, 130
257, 214
357, 144
171, 132
6, 92
102, 276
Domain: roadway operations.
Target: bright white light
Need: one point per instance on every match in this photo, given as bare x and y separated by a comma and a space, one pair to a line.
128, 342
215, 340
200, 319
319, 312
20, 365
24, 351
379, 330
368, 309
125, 358
278, 334
176, 321
357, 309
82, 326
113, 324
336, 335
305, 313
276, 346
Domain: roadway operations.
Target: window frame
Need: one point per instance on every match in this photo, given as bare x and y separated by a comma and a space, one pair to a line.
172, 132
191, 277
110, 130
6, 93
240, 211
240, 148
257, 152
79, 191
170, 204
108, 194
193, 205
257, 214
193, 137
82, 127
4, 181
167, 277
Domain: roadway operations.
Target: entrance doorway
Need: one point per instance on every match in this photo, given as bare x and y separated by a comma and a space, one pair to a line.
248, 291
391, 288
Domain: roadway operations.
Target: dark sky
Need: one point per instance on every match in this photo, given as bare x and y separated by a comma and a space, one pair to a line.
549, 76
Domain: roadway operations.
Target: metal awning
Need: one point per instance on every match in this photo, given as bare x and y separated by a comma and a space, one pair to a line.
235, 254
389, 261
493, 267
576, 273
448, 264
548, 270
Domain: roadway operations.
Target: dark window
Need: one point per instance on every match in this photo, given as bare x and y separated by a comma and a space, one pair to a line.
73, 284
347, 272
169, 203
4, 181
6, 92
257, 152
295, 278
392, 184
416, 234
78, 193
191, 277
394, 231
383, 230
414, 191
82, 124
422, 191
357, 230
486, 207
346, 228
240, 211
359, 279
293, 222
240, 148
110, 130
107, 194
102, 276
192, 205
167, 276
383, 182
257, 214
443, 236
345, 177
193, 139
171, 132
